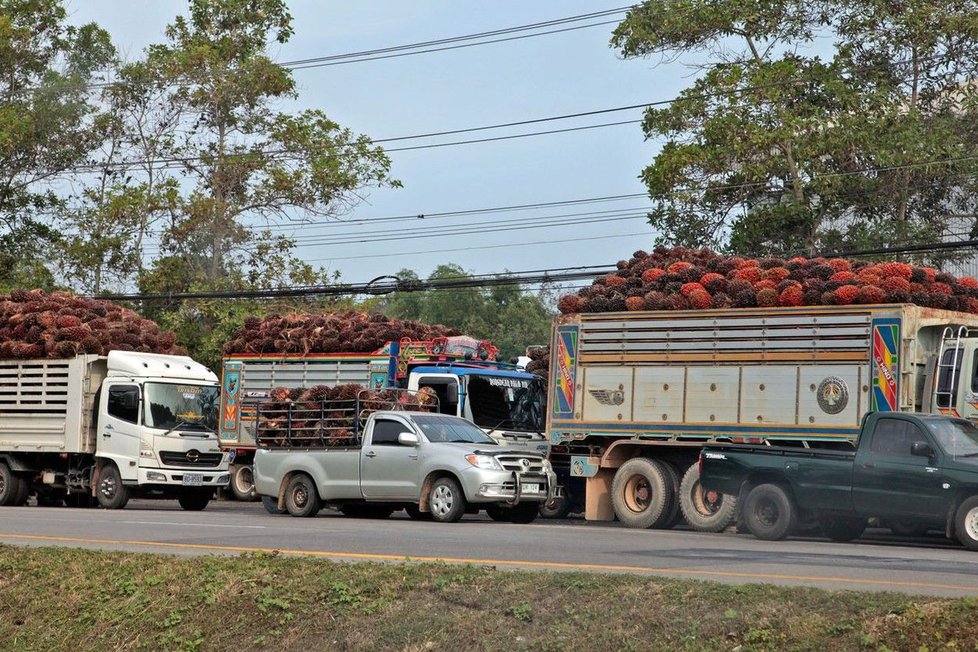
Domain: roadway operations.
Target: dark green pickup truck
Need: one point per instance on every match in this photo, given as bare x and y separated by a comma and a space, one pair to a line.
913, 471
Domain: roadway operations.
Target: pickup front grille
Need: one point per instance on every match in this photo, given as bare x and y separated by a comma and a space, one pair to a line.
192, 459
521, 463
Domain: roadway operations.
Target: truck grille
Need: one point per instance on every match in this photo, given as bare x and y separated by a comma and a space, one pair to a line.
191, 458
515, 462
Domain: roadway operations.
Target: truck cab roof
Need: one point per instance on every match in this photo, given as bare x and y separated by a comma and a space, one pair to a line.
175, 367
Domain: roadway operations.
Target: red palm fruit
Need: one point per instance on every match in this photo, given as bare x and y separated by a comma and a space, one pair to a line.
700, 299
941, 288
840, 265
677, 302
679, 266
613, 280
635, 304
847, 295
91, 344
569, 304
973, 305
869, 278
798, 259
792, 296
652, 275
688, 288
709, 277
969, 282
896, 284
871, 294
843, 276
930, 273
776, 274
721, 300
750, 274
765, 284
750, 262
655, 301
767, 297
737, 286
828, 298
67, 321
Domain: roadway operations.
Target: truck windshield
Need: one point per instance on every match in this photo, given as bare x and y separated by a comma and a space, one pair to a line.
439, 428
170, 405
958, 437
507, 402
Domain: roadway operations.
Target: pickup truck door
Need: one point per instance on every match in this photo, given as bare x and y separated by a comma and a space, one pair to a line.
888, 480
388, 470
118, 430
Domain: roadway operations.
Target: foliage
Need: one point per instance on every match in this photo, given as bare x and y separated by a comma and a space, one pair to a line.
505, 314
775, 151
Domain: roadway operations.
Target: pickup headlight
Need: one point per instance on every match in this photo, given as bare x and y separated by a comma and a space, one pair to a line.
487, 462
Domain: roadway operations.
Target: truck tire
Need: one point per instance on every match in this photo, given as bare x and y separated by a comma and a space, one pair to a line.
111, 493
10, 486
842, 528
705, 511
769, 512
559, 507
641, 493
270, 503
301, 496
966, 523
674, 511
446, 500
194, 500
243, 483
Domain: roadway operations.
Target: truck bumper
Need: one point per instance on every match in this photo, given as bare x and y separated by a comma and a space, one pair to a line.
510, 487
184, 477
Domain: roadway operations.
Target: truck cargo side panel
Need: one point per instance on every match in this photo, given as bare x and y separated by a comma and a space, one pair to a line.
659, 394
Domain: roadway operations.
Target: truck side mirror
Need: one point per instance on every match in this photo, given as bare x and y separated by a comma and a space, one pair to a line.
408, 439
921, 449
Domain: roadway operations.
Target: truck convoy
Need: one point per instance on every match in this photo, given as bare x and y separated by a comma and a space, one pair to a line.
107, 428
369, 460
634, 396
506, 403
918, 470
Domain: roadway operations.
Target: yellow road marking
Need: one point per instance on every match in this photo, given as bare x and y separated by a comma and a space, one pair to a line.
552, 565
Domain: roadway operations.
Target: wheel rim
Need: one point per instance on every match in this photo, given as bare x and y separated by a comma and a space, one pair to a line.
766, 512
442, 500
971, 524
300, 496
638, 494
108, 487
244, 480
706, 503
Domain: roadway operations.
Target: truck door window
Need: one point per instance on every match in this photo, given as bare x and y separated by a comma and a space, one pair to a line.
894, 437
386, 432
124, 403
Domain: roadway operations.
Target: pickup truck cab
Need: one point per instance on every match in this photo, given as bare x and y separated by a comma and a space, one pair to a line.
434, 465
912, 471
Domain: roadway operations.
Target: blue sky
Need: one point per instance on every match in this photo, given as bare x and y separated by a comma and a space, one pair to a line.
557, 74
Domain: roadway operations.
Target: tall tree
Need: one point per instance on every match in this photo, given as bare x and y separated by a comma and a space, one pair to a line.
48, 125
775, 151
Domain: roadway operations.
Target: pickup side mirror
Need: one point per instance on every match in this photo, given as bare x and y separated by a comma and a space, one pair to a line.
408, 439
921, 449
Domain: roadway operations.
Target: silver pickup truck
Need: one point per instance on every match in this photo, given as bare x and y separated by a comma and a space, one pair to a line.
433, 465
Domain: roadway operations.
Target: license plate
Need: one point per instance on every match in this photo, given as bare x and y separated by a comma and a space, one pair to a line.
530, 488
193, 479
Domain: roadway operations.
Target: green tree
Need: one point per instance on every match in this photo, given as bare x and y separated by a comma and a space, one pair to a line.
48, 126
505, 314
774, 151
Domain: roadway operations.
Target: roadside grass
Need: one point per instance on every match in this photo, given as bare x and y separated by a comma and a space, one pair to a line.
75, 599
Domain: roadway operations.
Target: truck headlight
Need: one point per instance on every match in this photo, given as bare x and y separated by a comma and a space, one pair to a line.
487, 462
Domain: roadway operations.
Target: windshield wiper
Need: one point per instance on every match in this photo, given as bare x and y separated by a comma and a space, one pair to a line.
500, 423
182, 423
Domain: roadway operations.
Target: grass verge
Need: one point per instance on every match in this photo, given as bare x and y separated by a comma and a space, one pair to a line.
73, 599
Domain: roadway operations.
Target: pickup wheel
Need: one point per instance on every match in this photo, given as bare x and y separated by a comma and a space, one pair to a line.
243, 483
842, 528
446, 501
705, 511
301, 496
769, 512
966, 523
642, 494
558, 507
270, 503
194, 500
111, 493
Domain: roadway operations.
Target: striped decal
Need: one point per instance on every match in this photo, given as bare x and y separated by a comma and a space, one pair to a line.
566, 368
886, 367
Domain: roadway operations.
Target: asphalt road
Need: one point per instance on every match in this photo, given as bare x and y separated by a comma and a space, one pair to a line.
878, 562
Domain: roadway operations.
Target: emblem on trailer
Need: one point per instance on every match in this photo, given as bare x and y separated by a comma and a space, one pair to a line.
832, 395
608, 396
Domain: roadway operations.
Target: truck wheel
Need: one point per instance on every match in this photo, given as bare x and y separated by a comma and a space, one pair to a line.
194, 500
415, 514
966, 523
674, 511
301, 496
843, 528
641, 493
446, 501
559, 507
769, 512
270, 504
243, 483
705, 511
10, 486
111, 493
497, 513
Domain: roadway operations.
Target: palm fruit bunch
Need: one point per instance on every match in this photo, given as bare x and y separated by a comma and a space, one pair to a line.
327, 416
35, 324
336, 332
698, 279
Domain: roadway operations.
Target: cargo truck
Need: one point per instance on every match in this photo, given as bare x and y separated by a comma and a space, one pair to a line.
508, 404
634, 395
106, 428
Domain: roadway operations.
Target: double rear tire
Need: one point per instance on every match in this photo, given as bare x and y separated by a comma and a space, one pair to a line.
643, 495
14, 489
